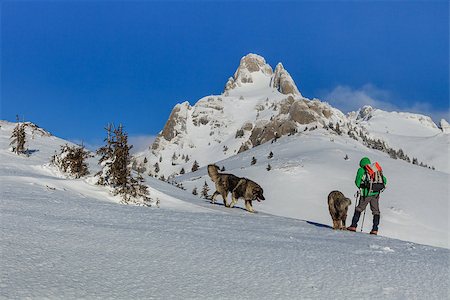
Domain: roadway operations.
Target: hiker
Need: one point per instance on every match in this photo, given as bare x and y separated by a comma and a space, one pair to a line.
369, 192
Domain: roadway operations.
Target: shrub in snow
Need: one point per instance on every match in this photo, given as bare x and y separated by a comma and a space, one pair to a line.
254, 160
72, 160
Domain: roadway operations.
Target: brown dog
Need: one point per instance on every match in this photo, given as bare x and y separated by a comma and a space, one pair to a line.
338, 205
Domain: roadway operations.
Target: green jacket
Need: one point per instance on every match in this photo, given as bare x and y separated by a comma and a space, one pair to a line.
359, 175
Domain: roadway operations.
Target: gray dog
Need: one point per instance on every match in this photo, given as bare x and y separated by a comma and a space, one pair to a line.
338, 205
238, 186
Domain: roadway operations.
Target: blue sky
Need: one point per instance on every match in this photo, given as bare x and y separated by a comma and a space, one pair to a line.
71, 67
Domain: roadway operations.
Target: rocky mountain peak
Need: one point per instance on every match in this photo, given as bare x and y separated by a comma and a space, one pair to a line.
254, 73
249, 66
283, 82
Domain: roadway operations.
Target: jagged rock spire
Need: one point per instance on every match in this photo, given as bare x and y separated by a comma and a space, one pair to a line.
253, 69
283, 82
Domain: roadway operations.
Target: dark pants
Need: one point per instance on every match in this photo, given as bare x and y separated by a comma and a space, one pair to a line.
374, 207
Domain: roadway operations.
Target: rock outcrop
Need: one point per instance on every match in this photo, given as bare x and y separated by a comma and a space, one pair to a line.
283, 82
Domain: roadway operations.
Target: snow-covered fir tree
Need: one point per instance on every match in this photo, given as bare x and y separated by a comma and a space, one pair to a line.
205, 191
18, 138
116, 171
195, 166
72, 160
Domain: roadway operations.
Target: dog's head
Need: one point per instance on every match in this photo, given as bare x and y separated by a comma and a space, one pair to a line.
213, 170
348, 201
258, 193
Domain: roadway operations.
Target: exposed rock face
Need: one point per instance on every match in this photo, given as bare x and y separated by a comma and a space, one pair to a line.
283, 82
365, 113
292, 113
175, 125
251, 63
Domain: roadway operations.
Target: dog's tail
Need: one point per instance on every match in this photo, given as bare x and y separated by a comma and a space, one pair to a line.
213, 172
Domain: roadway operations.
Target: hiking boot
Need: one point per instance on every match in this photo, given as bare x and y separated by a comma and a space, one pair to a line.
351, 228
374, 232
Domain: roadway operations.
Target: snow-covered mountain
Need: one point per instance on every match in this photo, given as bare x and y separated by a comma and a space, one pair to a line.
259, 105
309, 139
69, 238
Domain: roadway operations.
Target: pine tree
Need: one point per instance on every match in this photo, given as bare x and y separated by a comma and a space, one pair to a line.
156, 165
194, 191
145, 160
106, 157
269, 167
338, 129
346, 157
18, 138
223, 169
72, 160
270, 155
116, 154
195, 166
182, 171
141, 190
205, 191
254, 160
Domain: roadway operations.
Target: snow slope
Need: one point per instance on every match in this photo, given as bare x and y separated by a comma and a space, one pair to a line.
306, 167
64, 238
416, 134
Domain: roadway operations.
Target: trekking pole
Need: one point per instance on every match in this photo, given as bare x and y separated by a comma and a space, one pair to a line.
357, 198
362, 224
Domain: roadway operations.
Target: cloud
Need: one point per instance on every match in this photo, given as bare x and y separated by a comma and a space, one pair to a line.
140, 142
348, 99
